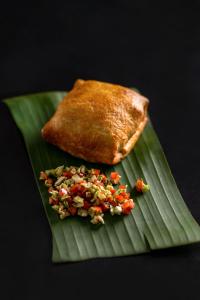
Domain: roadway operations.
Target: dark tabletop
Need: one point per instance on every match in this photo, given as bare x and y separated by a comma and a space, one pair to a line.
47, 46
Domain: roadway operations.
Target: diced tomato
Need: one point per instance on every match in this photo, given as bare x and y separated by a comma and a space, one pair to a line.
125, 195
112, 201
62, 192
112, 191
81, 191
104, 207
86, 204
119, 198
127, 207
67, 174
139, 185
115, 177
122, 187
77, 189
72, 210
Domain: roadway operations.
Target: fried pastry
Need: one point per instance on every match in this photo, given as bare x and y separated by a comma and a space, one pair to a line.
98, 121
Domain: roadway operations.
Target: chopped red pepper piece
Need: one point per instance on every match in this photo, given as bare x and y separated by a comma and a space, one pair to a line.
104, 207
112, 201
119, 198
112, 191
125, 195
86, 204
127, 206
122, 187
67, 174
77, 189
115, 177
62, 192
140, 186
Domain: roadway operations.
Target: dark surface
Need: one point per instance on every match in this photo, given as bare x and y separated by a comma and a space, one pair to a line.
46, 47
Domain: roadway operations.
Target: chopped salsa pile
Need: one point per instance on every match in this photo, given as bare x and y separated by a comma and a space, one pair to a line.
83, 192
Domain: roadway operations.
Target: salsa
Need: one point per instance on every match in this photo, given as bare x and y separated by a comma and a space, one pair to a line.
86, 192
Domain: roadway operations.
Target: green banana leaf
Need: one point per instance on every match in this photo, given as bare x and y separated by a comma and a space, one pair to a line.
160, 218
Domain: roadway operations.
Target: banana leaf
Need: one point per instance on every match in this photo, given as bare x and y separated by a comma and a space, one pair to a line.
160, 218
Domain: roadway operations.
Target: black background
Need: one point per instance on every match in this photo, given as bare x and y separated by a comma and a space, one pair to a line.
46, 46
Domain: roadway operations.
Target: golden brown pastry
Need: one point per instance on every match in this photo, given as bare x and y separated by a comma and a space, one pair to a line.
98, 121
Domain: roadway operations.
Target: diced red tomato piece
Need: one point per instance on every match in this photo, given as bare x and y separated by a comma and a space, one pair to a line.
125, 195
67, 174
122, 187
72, 210
86, 204
77, 189
114, 175
139, 185
104, 207
112, 201
127, 207
62, 192
74, 189
119, 198
112, 191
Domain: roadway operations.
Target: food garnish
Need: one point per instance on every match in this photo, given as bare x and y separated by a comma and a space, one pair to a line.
83, 192
141, 187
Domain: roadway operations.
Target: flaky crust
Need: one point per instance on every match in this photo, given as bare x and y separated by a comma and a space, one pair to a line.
98, 121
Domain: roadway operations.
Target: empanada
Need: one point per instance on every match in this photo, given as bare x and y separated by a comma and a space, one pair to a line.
98, 121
